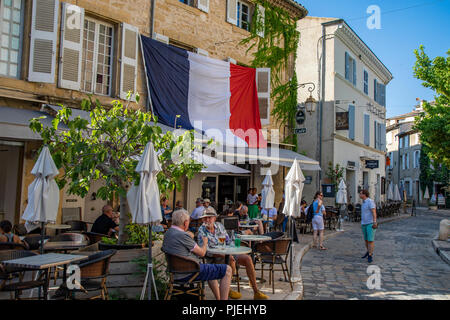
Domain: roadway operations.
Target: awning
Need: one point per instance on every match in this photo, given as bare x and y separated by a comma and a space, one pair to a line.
214, 165
15, 122
282, 157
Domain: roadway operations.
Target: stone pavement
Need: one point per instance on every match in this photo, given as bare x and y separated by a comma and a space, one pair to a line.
410, 268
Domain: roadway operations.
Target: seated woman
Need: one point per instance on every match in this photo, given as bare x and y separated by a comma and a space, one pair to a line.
211, 230
5, 233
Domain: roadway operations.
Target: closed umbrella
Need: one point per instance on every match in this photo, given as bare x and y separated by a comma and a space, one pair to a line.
267, 193
390, 195
397, 196
341, 198
427, 194
143, 201
294, 183
43, 193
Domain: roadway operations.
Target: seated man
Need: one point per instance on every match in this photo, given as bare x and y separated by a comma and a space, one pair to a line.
5, 233
210, 231
105, 223
198, 211
178, 241
243, 213
270, 215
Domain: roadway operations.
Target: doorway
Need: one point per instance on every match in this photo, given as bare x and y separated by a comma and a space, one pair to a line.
350, 181
11, 164
234, 188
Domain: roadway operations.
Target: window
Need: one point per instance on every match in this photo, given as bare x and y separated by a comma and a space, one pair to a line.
379, 93
189, 2
243, 15
400, 142
403, 159
416, 159
408, 188
96, 68
10, 37
350, 68
407, 161
366, 82
406, 141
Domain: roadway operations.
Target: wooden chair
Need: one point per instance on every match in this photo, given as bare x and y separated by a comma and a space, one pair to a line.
76, 226
12, 246
8, 274
94, 272
182, 265
272, 253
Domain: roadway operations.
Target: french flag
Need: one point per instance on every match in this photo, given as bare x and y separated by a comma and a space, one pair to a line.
216, 97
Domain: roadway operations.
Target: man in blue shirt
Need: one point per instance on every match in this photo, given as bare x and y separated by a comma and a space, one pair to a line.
368, 223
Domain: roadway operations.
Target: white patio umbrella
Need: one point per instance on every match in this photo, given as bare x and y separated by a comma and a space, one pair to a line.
268, 193
143, 201
43, 193
294, 183
397, 196
341, 198
390, 195
427, 194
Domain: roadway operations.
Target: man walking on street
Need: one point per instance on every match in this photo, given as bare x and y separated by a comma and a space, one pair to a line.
368, 223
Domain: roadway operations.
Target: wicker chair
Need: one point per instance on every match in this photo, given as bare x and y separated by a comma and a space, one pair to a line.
176, 265
73, 237
12, 246
94, 237
231, 223
33, 241
94, 272
76, 226
274, 252
7, 274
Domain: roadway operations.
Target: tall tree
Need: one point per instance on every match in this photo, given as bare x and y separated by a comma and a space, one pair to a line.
434, 123
107, 147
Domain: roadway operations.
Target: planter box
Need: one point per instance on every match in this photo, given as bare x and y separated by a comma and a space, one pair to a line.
106, 246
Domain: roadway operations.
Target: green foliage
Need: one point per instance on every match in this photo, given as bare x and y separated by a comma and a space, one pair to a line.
108, 146
276, 50
160, 274
431, 172
335, 174
434, 123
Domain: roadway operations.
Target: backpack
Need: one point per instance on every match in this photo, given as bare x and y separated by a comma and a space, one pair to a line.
310, 213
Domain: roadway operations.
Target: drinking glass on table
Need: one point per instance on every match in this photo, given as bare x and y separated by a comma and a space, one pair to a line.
222, 237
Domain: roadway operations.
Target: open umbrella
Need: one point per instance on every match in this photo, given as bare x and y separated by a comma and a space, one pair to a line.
341, 198
294, 183
43, 193
267, 193
397, 196
390, 195
143, 201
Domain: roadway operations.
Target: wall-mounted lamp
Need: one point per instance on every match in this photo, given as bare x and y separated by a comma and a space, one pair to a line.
310, 103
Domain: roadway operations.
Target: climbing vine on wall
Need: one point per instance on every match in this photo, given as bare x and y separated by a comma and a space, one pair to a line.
276, 50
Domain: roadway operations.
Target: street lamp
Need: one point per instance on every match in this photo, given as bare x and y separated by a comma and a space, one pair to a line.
310, 103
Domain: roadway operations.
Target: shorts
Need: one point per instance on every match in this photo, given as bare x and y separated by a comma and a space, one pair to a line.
208, 272
368, 232
317, 222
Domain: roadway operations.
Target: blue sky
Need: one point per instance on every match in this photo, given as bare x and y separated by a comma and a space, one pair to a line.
403, 29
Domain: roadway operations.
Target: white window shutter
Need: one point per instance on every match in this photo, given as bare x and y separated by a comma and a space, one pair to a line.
71, 47
263, 88
128, 61
43, 36
232, 11
203, 5
231, 60
160, 37
202, 52
262, 15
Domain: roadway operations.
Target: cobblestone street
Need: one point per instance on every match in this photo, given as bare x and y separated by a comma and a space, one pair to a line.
410, 269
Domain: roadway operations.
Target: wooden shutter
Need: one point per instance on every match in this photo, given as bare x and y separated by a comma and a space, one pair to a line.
375, 85
351, 122
375, 140
367, 129
203, 5
202, 52
71, 46
160, 37
347, 66
381, 136
383, 95
232, 11
354, 72
43, 35
128, 61
262, 17
263, 88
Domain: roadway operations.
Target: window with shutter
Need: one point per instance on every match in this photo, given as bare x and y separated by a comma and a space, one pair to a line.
366, 82
71, 47
351, 122
11, 34
367, 129
97, 55
382, 132
43, 41
232, 11
375, 87
347, 66
243, 15
354, 72
375, 140
203, 5
128, 65
263, 88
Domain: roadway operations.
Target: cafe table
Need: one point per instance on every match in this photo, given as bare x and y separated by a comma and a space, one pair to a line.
251, 238
44, 262
228, 250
